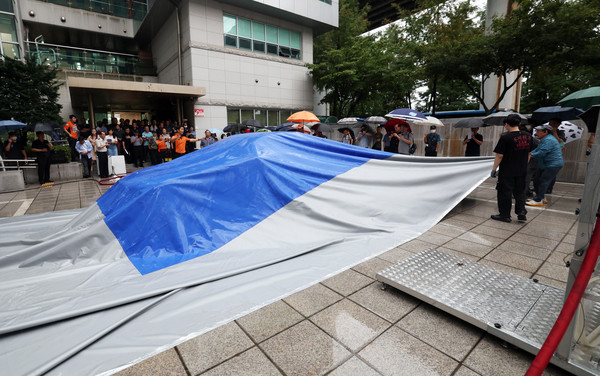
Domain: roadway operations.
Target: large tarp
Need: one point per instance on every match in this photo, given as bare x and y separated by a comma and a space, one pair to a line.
174, 250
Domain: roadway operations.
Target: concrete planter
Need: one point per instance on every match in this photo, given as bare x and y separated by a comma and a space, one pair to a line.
11, 181
58, 172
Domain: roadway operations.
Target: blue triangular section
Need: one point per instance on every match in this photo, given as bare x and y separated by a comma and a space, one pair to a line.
186, 208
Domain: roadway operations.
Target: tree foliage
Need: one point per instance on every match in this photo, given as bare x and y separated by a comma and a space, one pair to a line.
29, 92
445, 50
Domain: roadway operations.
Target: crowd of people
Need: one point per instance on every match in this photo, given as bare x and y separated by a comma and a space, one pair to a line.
524, 154
139, 141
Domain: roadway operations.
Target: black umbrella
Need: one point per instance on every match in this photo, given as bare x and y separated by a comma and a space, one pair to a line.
590, 118
321, 127
253, 123
497, 118
341, 130
234, 128
469, 123
545, 114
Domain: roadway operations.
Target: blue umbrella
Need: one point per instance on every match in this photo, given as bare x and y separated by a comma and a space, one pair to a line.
545, 114
215, 130
407, 114
9, 125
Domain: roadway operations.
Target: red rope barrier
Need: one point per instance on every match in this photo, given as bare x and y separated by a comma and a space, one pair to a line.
568, 311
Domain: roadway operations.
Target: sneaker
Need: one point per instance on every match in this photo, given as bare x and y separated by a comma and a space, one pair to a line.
522, 217
500, 218
534, 203
544, 201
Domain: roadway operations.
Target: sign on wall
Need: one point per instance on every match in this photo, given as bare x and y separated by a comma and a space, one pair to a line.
198, 112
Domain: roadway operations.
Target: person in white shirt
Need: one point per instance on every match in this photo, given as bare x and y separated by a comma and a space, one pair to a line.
102, 153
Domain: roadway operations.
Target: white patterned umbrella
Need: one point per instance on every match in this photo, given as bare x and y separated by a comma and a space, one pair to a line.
572, 131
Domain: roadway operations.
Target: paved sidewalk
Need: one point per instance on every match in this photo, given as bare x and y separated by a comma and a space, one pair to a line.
347, 325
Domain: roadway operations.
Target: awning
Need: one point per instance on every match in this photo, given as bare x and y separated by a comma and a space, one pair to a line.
127, 94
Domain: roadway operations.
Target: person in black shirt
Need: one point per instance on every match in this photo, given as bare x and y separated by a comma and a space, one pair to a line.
43, 150
473, 141
12, 149
513, 151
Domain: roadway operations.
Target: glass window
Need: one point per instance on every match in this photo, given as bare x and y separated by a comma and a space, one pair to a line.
261, 115
272, 49
10, 50
272, 34
273, 116
259, 46
284, 37
258, 31
249, 35
229, 24
230, 41
285, 52
8, 32
233, 116
6, 6
294, 39
247, 114
245, 43
244, 28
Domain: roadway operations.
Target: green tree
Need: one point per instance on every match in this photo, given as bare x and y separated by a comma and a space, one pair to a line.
29, 92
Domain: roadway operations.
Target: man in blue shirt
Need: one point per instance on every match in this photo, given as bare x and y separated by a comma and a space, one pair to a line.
364, 137
550, 160
84, 148
207, 140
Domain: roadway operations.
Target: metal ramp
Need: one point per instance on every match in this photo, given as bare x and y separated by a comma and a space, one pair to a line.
518, 310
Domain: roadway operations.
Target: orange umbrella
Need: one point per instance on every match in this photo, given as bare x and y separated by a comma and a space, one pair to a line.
303, 117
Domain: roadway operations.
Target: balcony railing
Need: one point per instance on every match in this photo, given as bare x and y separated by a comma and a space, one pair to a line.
119, 8
73, 58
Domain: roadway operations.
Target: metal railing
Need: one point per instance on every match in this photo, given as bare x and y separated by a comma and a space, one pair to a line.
126, 9
64, 57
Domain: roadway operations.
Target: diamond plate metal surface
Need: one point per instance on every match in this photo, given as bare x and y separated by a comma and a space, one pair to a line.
517, 309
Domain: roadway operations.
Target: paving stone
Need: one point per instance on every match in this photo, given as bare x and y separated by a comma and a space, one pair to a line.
313, 299
396, 352
214, 347
304, 350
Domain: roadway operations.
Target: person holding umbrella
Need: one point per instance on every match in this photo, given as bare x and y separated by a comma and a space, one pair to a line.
404, 137
347, 138
550, 161
473, 140
43, 150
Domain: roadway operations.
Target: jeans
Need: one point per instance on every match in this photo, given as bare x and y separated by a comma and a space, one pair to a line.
545, 178
509, 187
86, 162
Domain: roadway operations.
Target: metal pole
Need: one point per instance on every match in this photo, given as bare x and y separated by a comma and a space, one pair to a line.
91, 110
587, 218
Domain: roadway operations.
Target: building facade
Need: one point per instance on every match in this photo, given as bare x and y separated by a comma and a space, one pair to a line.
211, 62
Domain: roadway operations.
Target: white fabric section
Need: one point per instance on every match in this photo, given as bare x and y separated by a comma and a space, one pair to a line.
349, 219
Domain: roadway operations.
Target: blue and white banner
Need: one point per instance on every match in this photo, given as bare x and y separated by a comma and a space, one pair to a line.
193, 243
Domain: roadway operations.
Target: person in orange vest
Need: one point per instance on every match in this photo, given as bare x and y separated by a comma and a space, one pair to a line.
179, 142
71, 129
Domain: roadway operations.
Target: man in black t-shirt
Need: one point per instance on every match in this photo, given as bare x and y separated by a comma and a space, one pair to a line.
513, 151
473, 141
43, 150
